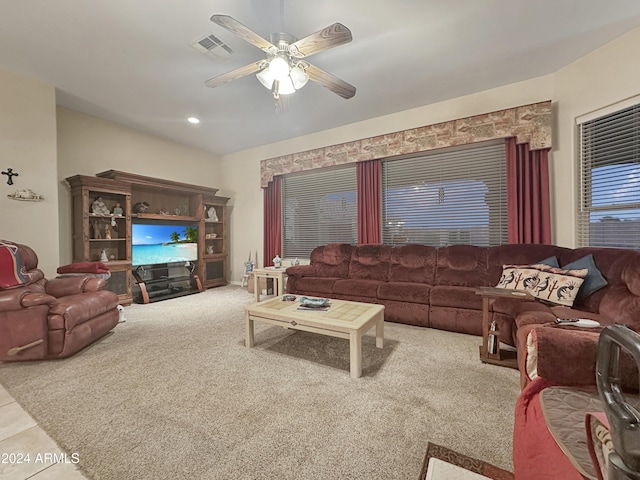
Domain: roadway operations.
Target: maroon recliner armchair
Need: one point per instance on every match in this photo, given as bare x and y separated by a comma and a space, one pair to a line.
43, 319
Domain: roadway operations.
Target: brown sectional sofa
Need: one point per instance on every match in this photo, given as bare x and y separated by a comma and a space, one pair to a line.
436, 287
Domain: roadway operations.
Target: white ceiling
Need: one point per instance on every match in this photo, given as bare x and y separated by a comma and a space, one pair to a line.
130, 61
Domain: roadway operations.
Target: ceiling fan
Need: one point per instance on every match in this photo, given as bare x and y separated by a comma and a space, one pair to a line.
284, 70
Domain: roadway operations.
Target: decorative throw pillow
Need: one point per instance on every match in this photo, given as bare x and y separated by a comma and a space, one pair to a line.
12, 272
594, 280
519, 277
555, 285
551, 261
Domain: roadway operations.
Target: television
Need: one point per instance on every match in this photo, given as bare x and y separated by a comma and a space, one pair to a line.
169, 242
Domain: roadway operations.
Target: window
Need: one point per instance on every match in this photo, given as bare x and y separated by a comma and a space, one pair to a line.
453, 196
318, 207
609, 157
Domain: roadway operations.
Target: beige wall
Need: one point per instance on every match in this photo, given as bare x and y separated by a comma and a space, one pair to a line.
88, 145
604, 77
28, 145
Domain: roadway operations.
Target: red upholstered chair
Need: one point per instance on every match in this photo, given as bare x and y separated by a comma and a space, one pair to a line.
42, 319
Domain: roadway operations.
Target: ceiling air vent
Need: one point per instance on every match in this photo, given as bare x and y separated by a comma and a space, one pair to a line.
212, 46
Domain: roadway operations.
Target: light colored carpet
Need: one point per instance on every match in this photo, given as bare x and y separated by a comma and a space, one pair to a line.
173, 393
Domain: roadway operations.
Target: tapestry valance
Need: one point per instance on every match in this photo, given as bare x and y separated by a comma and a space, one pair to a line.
528, 123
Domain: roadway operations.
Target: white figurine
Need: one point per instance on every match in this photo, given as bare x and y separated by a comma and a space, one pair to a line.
212, 215
99, 208
117, 210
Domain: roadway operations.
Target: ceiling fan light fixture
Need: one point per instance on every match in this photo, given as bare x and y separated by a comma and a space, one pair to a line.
279, 67
299, 77
265, 78
285, 86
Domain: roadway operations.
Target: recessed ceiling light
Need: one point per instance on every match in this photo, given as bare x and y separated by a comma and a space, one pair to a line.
193, 120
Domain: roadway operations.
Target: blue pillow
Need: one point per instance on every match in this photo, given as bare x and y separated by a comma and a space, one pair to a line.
594, 280
551, 261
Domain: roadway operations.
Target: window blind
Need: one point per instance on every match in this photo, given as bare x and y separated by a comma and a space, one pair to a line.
453, 196
609, 202
318, 207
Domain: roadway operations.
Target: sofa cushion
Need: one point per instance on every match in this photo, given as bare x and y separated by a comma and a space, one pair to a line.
594, 280
551, 284
313, 285
462, 265
332, 260
619, 266
370, 262
357, 288
413, 263
458, 297
404, 292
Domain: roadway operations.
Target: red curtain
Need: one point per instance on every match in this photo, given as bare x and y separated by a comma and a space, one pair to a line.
369, 193
528, 203
272, 221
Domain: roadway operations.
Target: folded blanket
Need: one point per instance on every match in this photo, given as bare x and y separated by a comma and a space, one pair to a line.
84, 267
106, 276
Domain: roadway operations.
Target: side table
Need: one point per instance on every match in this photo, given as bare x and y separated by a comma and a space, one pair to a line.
277, 274
503, 357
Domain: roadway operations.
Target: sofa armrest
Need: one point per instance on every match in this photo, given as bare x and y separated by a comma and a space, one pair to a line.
564, 356
17, 299
302, 271
567, 356
65, 286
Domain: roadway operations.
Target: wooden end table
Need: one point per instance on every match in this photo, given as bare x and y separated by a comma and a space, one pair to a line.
503, 357
277, 274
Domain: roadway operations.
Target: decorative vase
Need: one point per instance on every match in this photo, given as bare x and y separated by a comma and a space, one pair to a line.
277, 261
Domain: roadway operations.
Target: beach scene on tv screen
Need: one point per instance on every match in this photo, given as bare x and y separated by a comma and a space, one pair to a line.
163, 243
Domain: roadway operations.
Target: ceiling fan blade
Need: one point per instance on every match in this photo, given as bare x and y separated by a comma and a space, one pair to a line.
330, 82
245, 32
329, 37
234, 74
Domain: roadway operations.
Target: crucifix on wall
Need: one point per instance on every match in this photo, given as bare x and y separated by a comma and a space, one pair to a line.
9, 173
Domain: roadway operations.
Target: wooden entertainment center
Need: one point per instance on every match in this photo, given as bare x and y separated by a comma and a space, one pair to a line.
148, 200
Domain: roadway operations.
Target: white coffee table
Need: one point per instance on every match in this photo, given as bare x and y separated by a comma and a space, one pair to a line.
344, 319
